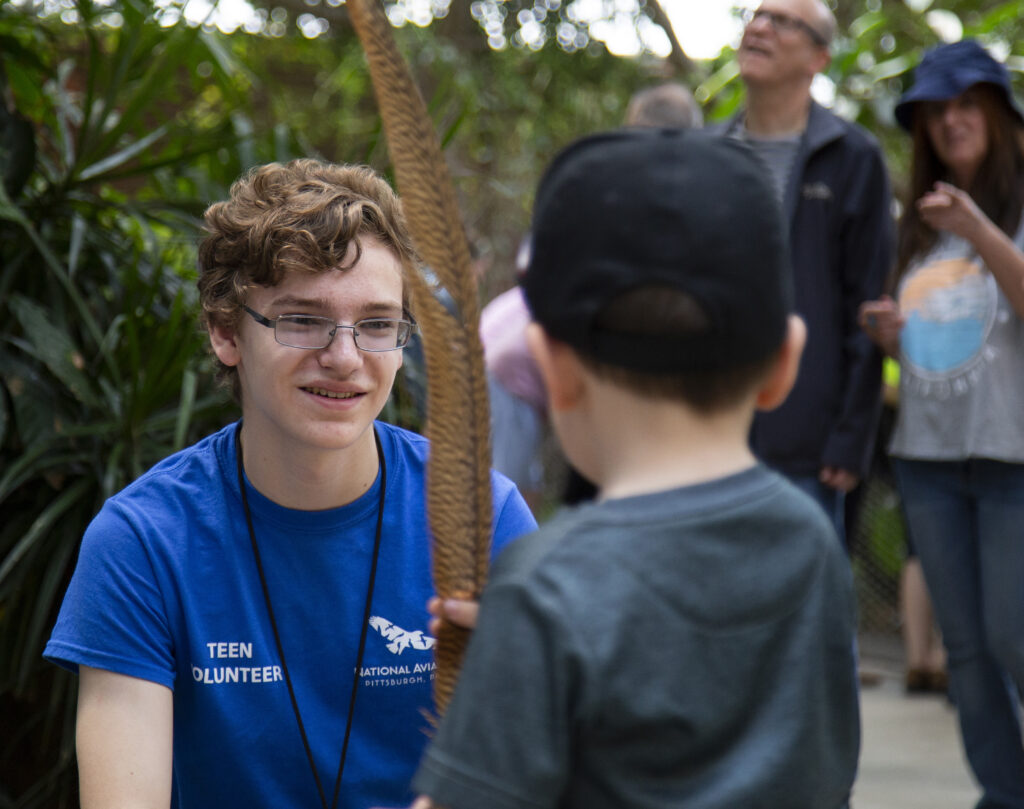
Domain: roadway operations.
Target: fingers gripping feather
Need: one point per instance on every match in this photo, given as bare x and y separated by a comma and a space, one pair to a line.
458, 421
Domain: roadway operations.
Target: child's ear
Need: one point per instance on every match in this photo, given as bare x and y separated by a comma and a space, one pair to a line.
224, 341
559, 367
782, 376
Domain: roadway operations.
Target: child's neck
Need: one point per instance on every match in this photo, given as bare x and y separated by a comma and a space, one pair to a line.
664, 446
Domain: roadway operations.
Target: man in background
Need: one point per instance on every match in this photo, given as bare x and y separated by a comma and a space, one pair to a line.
830, 178
664, 105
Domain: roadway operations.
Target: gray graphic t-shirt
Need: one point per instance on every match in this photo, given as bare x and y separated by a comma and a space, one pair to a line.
961, 360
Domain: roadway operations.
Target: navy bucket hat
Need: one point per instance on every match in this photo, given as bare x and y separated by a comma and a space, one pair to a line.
948, 70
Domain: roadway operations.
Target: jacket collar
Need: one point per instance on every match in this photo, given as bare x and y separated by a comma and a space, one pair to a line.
822, 127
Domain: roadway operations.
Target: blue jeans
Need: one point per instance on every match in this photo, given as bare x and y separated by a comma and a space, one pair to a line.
832, 500
967, 522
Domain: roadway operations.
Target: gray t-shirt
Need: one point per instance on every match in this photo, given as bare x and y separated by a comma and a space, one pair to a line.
686, 648
778, 153
961, 360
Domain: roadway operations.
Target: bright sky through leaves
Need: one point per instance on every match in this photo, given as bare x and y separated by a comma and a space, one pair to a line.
702, 26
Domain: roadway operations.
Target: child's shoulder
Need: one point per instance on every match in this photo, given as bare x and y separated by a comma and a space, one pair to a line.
528, 552
752, 494
726, 552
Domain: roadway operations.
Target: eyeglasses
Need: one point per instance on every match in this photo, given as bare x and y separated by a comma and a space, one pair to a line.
782, 22
314, 332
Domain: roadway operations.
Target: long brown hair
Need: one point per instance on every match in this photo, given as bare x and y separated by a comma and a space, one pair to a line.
998, 185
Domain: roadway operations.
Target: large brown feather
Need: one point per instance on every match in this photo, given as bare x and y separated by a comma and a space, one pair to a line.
458, 422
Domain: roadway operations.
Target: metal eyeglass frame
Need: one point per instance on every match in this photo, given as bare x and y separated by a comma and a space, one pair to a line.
271, 323
783, 22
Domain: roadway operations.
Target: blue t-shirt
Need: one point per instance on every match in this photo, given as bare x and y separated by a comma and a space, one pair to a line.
166, 589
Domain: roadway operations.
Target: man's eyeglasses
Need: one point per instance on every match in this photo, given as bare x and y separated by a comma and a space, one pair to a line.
782, 22
314, 332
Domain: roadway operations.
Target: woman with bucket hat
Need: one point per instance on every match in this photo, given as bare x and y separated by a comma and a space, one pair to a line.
958, 446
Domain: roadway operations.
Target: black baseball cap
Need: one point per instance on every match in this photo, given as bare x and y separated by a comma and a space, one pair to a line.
946, 71
683, 209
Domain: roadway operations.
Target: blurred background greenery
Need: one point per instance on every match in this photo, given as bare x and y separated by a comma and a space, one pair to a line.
120, 121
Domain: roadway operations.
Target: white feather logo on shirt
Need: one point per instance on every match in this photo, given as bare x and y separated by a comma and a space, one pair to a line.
401, 639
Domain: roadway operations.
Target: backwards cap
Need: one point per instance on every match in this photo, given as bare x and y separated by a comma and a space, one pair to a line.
677, 208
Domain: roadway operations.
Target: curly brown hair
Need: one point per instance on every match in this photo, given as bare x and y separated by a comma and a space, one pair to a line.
301, 216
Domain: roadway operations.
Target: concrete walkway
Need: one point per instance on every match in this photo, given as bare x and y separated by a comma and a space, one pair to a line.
911, 756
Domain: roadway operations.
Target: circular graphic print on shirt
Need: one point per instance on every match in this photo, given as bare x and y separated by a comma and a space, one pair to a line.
949, 306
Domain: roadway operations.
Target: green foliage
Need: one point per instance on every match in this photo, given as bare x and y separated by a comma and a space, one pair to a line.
510, 112
502, 115
101, 370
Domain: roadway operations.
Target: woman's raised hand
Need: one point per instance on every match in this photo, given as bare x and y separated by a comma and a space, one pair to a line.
947, 207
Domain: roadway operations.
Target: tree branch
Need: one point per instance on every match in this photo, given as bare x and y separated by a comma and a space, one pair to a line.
678, 56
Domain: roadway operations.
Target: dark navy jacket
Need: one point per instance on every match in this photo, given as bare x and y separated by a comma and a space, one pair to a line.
841, 240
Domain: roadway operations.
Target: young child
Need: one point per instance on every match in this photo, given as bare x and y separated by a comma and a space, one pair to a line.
247, 617
686, 640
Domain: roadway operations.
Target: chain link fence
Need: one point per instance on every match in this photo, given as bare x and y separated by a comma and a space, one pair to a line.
878, 544
877, 552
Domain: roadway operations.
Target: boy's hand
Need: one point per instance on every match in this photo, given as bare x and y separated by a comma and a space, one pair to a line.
461, 612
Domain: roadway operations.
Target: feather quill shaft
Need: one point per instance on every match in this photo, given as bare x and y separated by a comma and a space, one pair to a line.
458, 418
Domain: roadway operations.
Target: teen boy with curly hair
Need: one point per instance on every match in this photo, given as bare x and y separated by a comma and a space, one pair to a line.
247, 618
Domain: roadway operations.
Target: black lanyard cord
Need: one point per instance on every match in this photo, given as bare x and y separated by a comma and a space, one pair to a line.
362, 633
